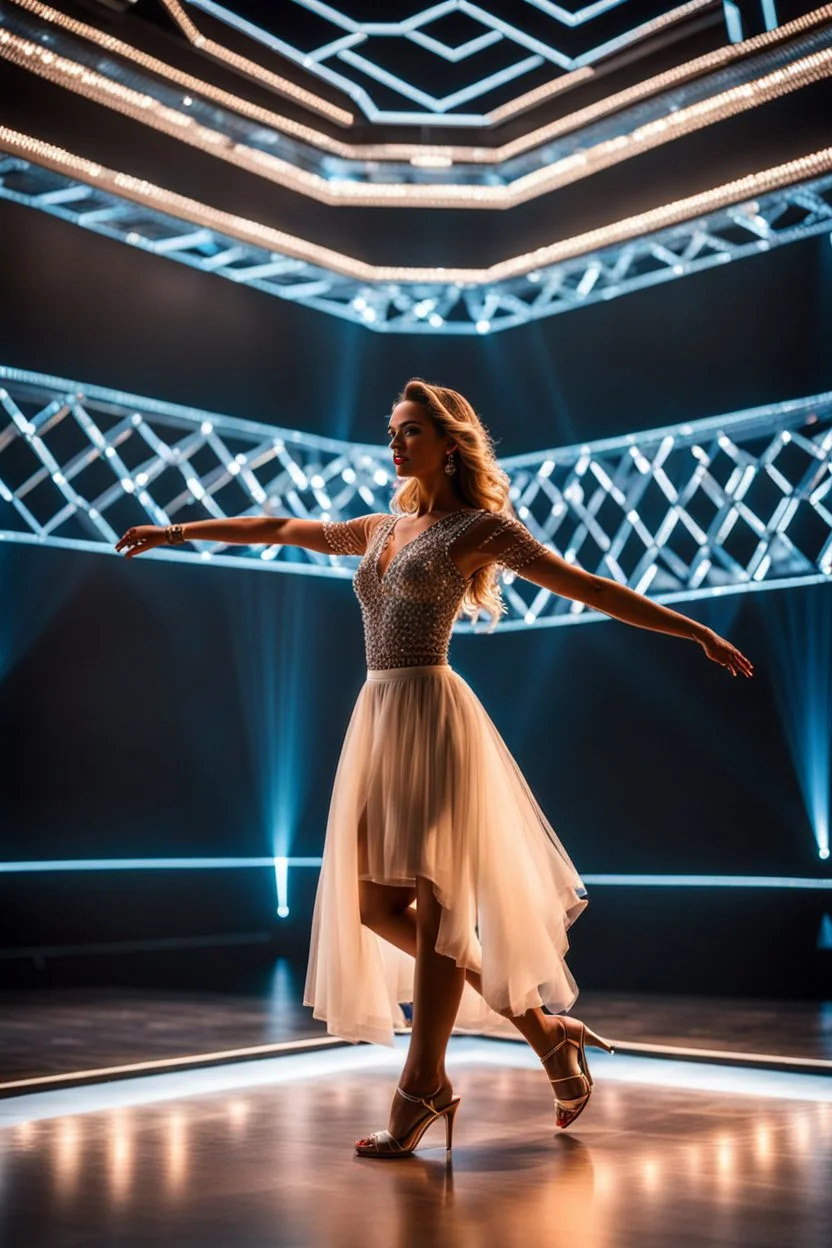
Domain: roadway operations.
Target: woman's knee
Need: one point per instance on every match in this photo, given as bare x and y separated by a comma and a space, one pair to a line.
378, 903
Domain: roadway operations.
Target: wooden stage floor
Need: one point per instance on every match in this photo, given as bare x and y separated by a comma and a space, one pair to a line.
57, 1031
668, 1154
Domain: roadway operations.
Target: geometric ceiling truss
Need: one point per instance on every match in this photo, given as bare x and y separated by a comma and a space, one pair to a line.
152, 91
577, 146
561, 152
764, 210
355, 56
722, 505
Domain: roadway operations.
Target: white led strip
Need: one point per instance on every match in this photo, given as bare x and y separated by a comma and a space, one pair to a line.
148, 194
424, 154
276, 82
284, 86
148, 111
441, 115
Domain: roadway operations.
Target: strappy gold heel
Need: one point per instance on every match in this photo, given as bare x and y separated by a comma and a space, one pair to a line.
567, 1111
383, 1144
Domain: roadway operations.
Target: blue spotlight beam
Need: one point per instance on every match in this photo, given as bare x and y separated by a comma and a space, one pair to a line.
791, 204
729, 504
801, 666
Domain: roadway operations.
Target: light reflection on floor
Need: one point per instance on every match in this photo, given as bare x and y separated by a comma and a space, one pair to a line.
261, 1152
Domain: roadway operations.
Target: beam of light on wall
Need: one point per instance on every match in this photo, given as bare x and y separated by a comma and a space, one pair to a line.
270, 633
31, 599
199, 864
800, 630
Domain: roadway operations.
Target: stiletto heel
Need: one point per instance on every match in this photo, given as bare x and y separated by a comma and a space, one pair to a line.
568, 1110
383, 1144
597, 1042
449, 1124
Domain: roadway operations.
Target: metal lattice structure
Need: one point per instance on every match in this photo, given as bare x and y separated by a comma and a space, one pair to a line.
352, 54
723, 505
335, 170
572, 274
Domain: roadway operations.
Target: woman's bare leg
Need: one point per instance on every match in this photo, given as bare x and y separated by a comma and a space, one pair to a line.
388, 911
437, 988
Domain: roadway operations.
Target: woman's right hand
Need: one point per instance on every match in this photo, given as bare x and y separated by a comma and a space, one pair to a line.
141, 538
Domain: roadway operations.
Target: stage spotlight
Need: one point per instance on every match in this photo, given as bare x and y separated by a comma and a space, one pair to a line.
281, 875
801, 628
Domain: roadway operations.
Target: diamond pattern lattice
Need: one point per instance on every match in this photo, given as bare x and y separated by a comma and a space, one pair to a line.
722, 505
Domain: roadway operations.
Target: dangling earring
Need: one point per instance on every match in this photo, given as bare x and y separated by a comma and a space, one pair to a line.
450, 466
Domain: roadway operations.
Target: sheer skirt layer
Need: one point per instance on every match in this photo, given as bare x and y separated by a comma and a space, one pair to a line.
426, 786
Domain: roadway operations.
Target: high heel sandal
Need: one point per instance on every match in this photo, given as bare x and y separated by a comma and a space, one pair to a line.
567, 1111
383, 1144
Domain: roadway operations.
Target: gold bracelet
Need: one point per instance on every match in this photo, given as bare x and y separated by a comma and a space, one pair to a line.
175, 534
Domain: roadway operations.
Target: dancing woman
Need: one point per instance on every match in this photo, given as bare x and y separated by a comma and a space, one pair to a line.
442, 881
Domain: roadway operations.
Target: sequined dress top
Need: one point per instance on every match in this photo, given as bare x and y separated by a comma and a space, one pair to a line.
409, 612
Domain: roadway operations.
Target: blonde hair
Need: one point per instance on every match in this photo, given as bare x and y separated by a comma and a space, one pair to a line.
479, 481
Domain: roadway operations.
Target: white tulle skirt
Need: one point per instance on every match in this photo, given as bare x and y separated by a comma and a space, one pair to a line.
426, 786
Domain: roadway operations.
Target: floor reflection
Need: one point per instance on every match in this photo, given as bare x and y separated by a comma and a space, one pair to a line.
649, 1163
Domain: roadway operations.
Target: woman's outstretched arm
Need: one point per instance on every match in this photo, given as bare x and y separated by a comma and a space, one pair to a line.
253, 531
506, 541
621, 603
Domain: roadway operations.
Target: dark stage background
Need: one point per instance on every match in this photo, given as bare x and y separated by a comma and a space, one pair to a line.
152, 710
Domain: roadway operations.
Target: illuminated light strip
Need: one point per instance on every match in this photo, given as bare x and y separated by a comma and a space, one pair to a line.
730, 1057
453, 154
338, 115
148, 111
363, 100
221, 1056
286, 1048
710, 881
198, 86
151, 864
199, 864
340, 1060
580, 16
140, 191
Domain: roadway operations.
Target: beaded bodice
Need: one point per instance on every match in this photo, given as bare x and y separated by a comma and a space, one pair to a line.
409, 611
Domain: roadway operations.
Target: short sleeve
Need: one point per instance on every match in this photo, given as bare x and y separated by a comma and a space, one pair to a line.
510, 543
350, 537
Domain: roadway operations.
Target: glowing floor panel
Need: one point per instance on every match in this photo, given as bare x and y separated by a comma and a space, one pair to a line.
261, 1152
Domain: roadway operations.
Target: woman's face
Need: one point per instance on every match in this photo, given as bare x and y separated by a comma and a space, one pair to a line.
417, 447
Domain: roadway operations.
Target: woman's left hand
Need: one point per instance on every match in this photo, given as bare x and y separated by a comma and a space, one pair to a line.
722, 652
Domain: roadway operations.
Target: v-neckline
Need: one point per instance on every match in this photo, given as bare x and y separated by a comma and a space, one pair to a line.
382, 576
